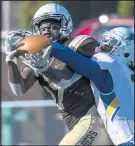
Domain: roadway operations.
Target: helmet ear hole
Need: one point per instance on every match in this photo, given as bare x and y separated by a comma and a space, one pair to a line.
126, 55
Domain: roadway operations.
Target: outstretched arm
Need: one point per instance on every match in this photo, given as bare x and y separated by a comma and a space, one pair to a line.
77, 62
82, 65
20, 83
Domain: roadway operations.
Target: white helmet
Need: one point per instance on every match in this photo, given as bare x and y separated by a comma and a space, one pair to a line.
121, 41
56, 12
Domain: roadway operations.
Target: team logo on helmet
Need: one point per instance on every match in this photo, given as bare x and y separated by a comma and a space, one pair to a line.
130, 37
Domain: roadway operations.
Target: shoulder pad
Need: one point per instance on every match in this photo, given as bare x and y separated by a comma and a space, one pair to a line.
77, 41
84, 45
104, 60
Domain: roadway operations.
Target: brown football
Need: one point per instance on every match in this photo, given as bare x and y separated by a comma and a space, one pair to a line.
33, 44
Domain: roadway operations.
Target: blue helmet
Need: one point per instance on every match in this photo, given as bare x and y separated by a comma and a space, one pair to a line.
120, 44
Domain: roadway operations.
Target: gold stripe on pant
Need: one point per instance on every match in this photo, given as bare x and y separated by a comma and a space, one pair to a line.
89, 130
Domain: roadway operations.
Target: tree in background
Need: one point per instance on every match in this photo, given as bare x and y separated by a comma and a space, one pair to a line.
92, 10
28, 9
125, 8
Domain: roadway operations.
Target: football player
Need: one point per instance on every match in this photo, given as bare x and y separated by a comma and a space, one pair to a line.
71, 91
111, 72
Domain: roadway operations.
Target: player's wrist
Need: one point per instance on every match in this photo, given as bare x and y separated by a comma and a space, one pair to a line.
8, 60
10, 57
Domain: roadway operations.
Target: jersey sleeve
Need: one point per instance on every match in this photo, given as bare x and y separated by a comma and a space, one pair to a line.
82, 65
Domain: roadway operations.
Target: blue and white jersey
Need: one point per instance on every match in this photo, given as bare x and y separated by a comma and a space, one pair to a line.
113, 87
117, 107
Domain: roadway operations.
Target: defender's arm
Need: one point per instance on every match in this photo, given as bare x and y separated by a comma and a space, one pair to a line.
82, 65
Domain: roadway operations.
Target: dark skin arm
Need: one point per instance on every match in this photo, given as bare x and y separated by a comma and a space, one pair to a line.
25, 79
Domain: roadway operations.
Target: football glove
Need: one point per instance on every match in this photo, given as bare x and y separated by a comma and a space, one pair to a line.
13, 38
39, 63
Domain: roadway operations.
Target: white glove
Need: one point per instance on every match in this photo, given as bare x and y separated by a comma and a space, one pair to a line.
39, 63
13, 38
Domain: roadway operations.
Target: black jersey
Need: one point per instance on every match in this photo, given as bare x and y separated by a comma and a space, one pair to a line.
71, 92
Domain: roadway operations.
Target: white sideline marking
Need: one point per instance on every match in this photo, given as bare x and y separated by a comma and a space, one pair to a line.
29, 103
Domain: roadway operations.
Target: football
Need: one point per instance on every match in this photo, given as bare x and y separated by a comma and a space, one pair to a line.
33, 44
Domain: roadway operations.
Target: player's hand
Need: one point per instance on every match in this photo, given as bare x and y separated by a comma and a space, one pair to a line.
39, 63
9, 48
21, 33
13, 38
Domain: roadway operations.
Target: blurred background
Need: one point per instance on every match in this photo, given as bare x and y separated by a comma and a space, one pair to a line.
34, 118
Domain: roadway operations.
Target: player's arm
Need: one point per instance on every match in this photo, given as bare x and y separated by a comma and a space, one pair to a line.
20, 83
82, 65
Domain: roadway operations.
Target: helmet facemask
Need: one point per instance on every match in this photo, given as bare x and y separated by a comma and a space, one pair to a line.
111, 43
115, 46
64, 31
